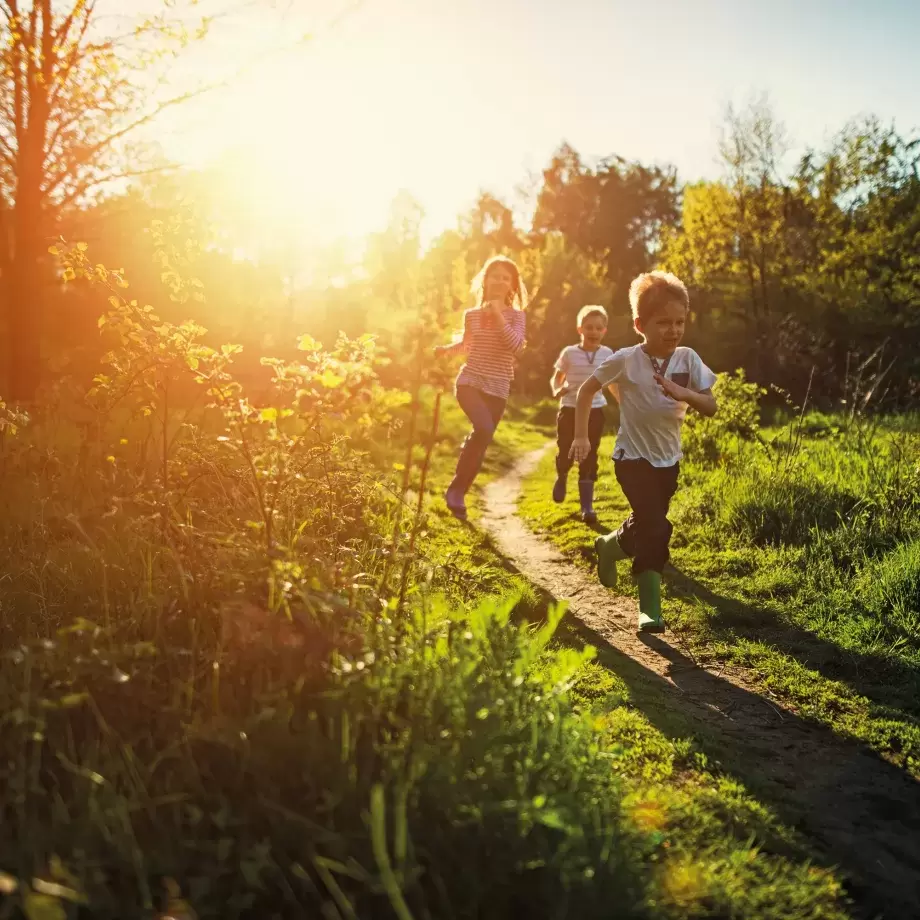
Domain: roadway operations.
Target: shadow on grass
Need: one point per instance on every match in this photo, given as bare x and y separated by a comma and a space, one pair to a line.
884, 680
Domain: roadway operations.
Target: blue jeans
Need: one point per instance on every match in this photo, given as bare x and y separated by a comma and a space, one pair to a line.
484, 412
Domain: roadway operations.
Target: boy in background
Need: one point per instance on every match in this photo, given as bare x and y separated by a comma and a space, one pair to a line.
575, 364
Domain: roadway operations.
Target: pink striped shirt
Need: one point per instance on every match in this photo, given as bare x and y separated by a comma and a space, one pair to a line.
490, 349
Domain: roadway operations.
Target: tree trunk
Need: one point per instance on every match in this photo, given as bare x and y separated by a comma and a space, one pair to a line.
23, 324
24, 286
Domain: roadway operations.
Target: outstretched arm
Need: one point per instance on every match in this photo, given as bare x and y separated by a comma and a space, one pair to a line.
460, 342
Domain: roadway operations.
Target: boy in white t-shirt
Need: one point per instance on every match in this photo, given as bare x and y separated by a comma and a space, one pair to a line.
654, 382
575, 364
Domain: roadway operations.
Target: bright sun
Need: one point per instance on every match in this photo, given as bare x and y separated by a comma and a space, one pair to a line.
325, 162
318, 143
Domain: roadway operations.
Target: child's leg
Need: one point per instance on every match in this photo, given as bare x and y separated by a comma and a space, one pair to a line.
484, 412
649, 490
565, 434
587, 469
646, 534
629, 476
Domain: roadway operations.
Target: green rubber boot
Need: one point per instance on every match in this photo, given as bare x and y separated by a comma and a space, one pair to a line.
608, 551
650, 602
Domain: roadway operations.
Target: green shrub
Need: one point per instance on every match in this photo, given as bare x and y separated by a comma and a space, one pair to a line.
438, 771
709, 441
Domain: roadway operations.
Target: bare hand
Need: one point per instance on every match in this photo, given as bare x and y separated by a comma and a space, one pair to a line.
670, 388
580, 449
440, 350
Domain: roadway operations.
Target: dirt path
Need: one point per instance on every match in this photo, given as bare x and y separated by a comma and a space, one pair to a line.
861, 812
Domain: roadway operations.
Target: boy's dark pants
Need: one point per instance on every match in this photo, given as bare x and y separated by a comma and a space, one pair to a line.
565, 434
646, 533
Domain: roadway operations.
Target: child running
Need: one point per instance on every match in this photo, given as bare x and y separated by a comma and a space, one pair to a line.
573, 367
493, 333
654, 383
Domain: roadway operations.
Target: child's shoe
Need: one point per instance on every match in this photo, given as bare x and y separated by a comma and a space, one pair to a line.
586, 496
559, 490
455, 505
608, 552
650, 602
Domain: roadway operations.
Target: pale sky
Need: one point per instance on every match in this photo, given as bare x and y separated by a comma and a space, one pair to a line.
447, 97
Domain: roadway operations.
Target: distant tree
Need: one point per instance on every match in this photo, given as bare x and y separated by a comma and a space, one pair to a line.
564, 279
813, 267
615, 212
862, 271
489, 229
752, 149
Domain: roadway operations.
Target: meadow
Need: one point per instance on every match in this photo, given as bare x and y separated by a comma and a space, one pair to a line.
252, 668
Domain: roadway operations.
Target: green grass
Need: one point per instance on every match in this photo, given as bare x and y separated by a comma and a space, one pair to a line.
722, 851
170, 736
798, 560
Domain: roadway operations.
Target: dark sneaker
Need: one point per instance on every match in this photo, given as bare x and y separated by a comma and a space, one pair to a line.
456, 506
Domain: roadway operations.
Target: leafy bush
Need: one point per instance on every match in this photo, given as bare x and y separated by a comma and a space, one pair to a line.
710, 441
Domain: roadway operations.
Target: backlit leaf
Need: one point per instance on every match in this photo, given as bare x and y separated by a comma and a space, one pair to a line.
43, 907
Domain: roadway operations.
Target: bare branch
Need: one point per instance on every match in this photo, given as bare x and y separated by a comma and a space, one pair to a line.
30, 62
16, 61
88, 184
92, 152
95, 149
6, 153
62, 33
61, 126
33, 19
48, 55
76, 54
